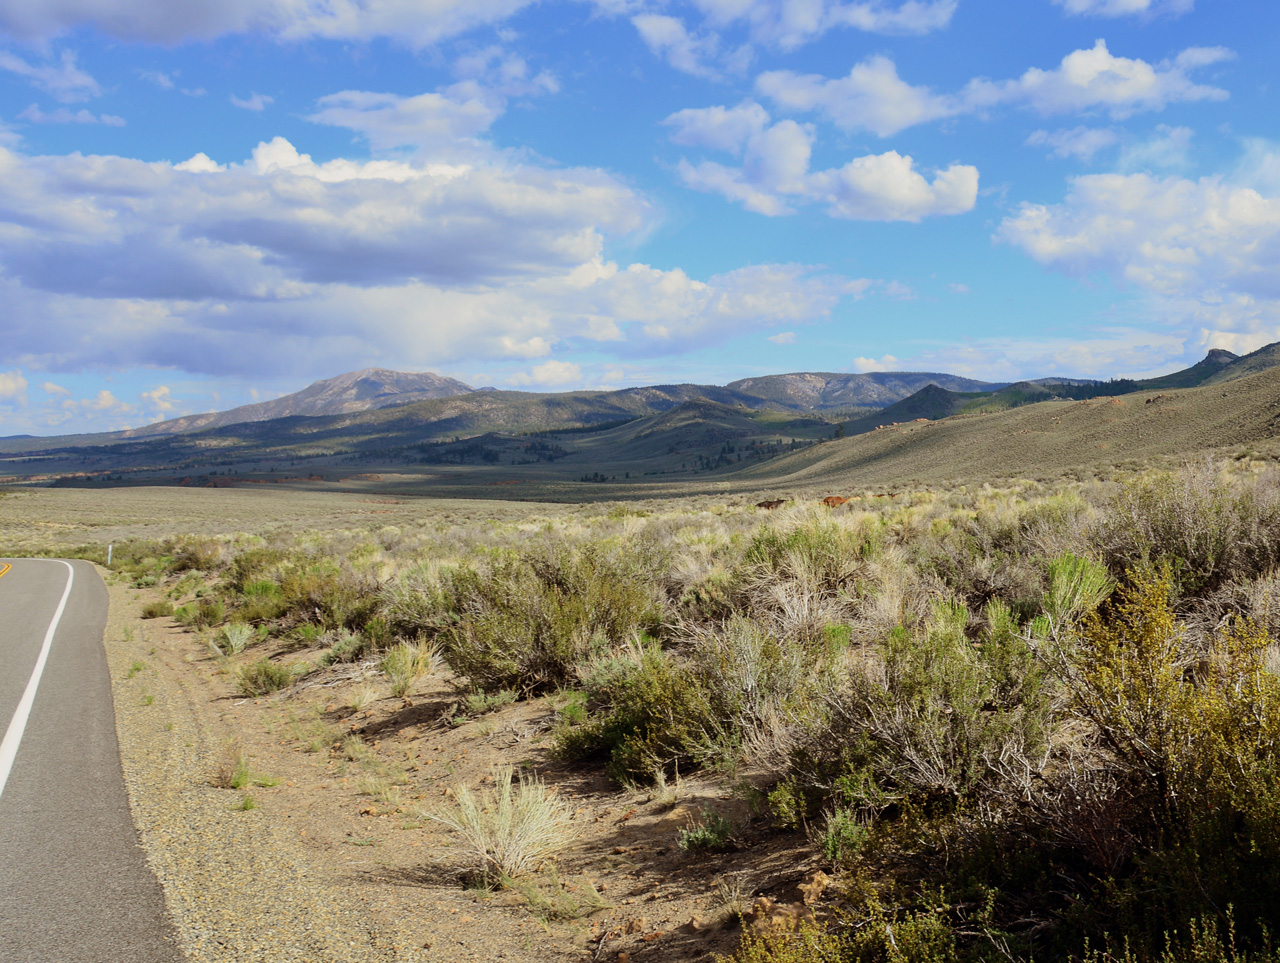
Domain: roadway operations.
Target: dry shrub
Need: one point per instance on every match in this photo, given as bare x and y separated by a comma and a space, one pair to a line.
506, 831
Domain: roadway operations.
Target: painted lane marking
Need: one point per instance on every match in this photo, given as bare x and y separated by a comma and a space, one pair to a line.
5, 571
18, 725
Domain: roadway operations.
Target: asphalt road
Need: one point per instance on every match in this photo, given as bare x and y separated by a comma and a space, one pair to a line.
74, 884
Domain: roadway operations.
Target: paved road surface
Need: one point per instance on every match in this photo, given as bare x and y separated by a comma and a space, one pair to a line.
74, 884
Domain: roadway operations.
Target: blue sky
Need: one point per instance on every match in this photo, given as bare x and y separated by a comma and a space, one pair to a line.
203, 205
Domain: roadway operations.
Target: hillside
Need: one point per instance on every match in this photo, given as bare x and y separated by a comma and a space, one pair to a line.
1044, 439
930, 402
1266, 357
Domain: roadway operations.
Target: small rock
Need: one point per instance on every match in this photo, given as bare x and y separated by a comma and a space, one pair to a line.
634, 925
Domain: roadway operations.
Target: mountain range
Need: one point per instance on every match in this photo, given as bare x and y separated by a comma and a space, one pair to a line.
376, 420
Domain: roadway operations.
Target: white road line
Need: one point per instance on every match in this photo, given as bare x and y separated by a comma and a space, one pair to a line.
18, 724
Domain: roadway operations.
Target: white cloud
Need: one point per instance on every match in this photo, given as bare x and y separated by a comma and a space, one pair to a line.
63, 80
958, 288
1079, 142
775, 171
1206, 252
1122, 8
280, 262
62, 115
668, 38
551, 374
50, 388
783, 337
158, 77
159, 399
725, 129
787, 24
873, 97
1109, 352
436, 120
1095, 79
413, 22
1168, 149
255, 101
13, 388
885, 363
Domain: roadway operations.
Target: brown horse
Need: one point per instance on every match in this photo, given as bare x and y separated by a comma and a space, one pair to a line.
771, 505
834, 501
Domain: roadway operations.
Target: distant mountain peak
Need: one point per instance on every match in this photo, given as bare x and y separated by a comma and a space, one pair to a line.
353, 391
1220, 356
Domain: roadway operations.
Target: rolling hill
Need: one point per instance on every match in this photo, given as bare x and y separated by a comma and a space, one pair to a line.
1045, 439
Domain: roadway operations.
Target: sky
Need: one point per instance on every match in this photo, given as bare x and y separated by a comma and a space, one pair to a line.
203, 205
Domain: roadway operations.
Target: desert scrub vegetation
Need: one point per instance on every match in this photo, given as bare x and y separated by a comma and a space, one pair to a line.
1032, 722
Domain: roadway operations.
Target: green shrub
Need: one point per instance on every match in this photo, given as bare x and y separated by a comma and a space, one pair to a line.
157, 610
529, 622
651, 714
264, 677
1193, 739
196, 554
842, 836
712, 833
344, 645
200, 615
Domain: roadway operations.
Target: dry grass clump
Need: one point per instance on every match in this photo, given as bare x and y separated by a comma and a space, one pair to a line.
406, 663
506, 831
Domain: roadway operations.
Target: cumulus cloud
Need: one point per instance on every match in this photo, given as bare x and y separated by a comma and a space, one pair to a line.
282, 264
1081, 143
874, 98
63, 80
1206, 251
111, 226
775, 173
783, 337
13, 388
550, 374
1122, 8
725, 129
256, 102
884, 363
62, 115
159, 399
1095, 79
